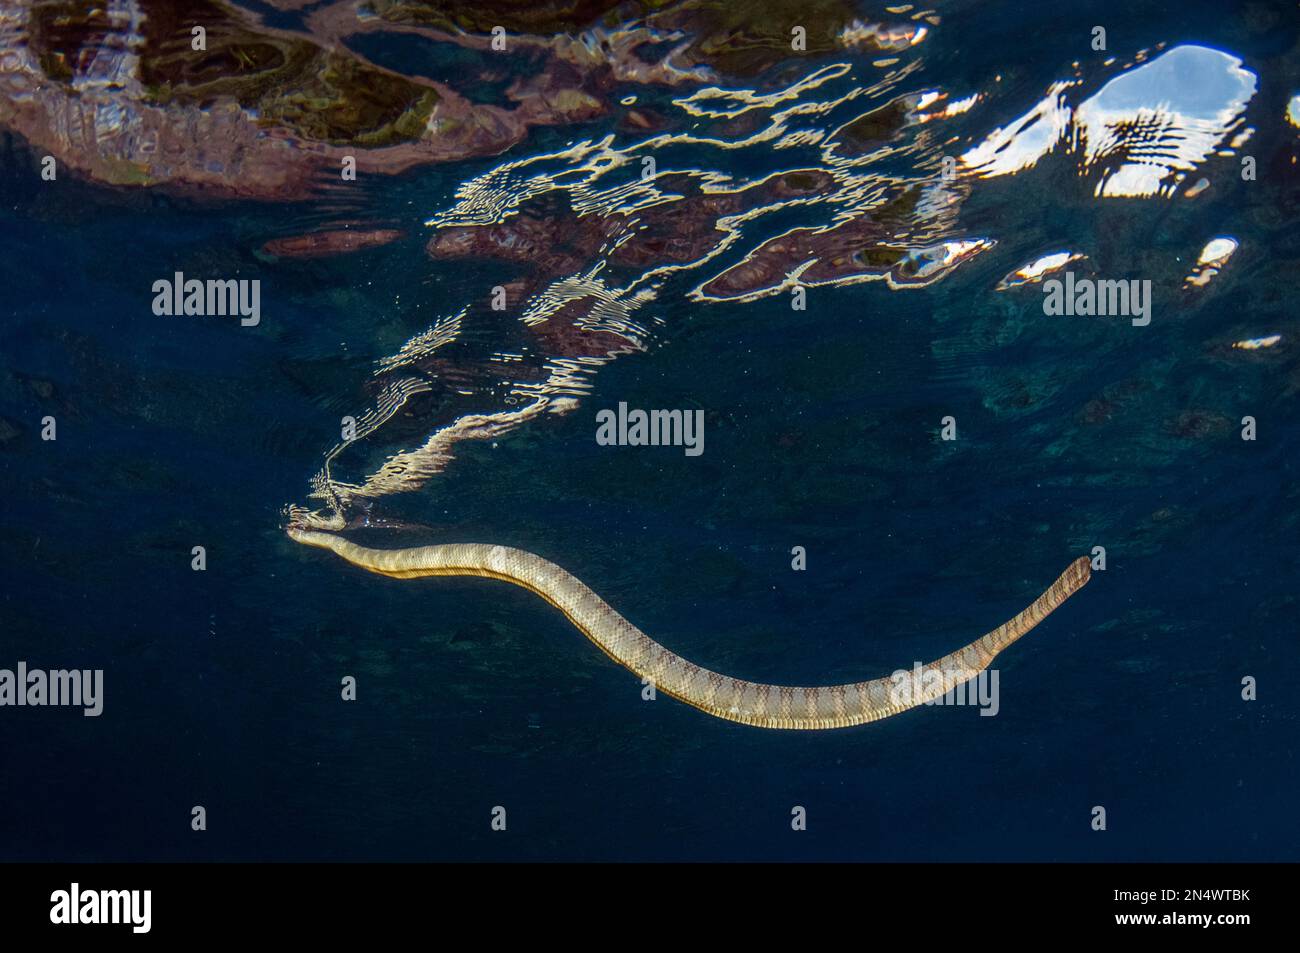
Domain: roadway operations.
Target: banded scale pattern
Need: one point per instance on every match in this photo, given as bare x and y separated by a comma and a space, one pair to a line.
751, 703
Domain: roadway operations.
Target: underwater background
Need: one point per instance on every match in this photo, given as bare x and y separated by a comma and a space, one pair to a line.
222, 687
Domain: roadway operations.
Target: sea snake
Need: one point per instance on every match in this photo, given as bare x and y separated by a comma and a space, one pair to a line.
751, 703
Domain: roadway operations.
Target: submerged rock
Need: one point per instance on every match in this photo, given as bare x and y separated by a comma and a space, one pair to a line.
332, 242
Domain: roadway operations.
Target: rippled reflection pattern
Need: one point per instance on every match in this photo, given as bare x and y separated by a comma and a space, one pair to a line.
852, 172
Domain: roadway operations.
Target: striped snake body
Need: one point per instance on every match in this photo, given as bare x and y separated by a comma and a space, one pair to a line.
751, 703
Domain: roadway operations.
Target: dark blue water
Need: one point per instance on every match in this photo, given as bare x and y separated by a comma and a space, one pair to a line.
222, 687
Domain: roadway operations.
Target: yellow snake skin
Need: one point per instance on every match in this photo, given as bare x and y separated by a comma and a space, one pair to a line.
751, 703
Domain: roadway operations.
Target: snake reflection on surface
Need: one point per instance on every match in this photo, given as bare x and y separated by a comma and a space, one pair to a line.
751, 703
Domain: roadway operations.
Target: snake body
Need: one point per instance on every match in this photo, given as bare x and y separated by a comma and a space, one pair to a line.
751, 703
